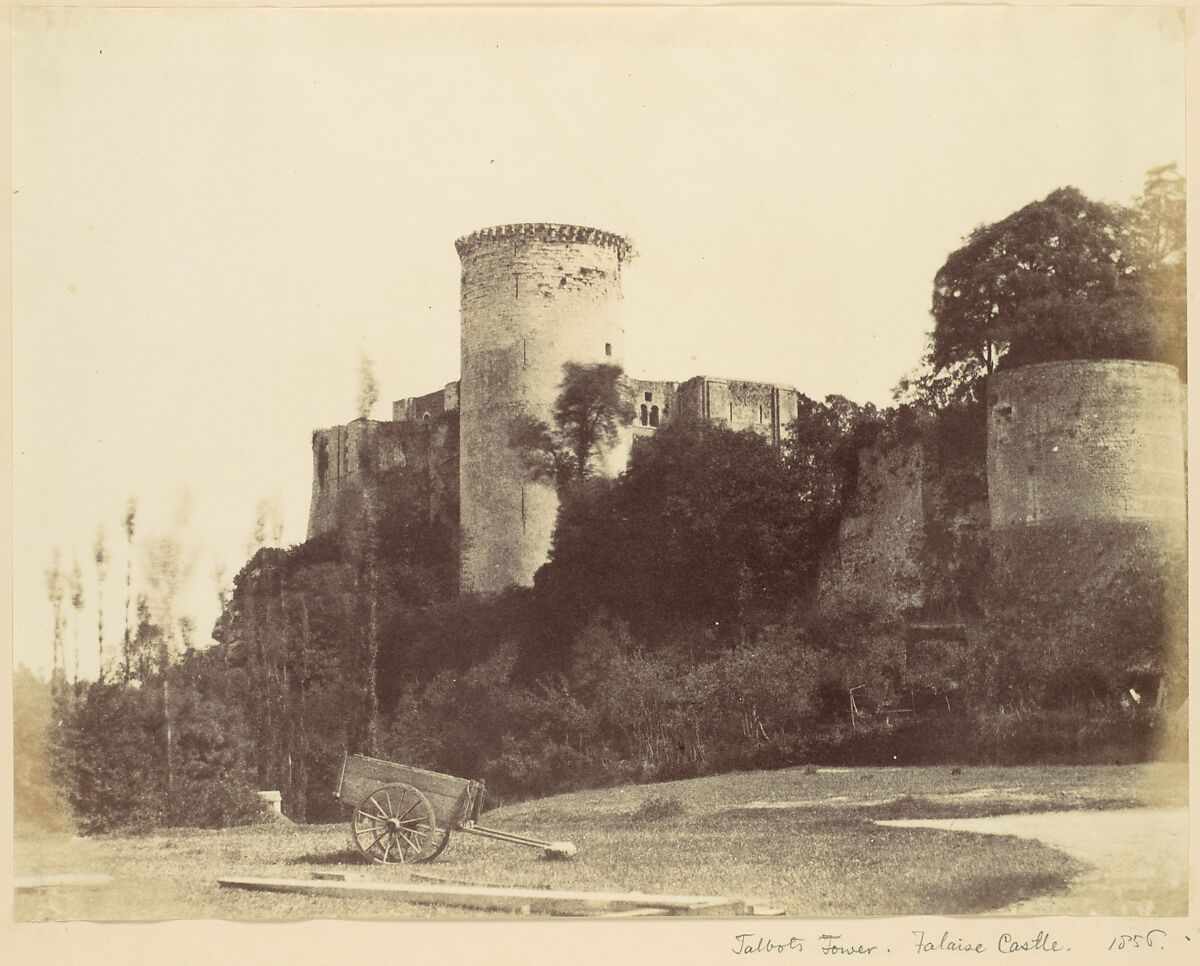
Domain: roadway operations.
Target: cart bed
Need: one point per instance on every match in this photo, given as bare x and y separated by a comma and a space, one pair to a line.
454, 800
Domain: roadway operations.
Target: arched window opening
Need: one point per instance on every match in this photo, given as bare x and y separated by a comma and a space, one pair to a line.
653, 415
645, 415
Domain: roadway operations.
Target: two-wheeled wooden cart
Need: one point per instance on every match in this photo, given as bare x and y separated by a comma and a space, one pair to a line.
405, 814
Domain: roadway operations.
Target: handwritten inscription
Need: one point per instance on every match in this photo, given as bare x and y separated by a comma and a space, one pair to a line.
1041, 943
931, 944
749, 943
1138, 940
835, 946
829, 944
946, 944
1007, 943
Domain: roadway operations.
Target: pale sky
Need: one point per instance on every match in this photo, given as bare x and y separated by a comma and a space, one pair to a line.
215, 213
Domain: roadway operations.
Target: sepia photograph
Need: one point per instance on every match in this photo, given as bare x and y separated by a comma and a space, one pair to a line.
602, 463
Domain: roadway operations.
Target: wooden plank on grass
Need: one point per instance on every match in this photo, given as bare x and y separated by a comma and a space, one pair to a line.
630, 914
552, 902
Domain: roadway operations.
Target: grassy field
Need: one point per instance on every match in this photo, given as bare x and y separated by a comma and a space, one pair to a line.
792, 838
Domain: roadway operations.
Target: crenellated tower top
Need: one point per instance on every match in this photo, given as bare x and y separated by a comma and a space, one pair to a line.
543, 231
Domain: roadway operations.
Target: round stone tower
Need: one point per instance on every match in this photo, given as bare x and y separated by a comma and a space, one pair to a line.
1086, 441
534, 296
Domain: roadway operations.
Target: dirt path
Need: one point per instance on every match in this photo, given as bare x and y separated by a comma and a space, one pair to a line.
1138, 858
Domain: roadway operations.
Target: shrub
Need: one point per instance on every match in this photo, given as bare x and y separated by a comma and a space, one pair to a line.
656, 808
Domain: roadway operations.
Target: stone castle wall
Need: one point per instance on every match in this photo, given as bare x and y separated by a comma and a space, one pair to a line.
340, 456
1085, 440
348, 459
430, 406
761, 407
1080, 454
874, 567
533, 298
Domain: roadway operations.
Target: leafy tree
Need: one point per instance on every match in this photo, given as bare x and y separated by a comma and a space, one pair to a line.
1053, 280
704, 523
589, 414
1159, 221
821, 454
1062, 278
288, 639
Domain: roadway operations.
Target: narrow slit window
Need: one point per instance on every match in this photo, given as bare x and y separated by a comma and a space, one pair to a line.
608, 348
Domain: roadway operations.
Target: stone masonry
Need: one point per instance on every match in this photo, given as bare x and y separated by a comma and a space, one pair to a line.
1086, 440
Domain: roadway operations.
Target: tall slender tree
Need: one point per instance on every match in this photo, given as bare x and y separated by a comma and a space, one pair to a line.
55, 594
224, 591
167, 568
127, 643
258, 535
77, 601
368, 387
364, 733
100, 558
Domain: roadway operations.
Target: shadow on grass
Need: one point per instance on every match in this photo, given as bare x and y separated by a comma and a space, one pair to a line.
915, 806
1003, 890
340, 857
909, 806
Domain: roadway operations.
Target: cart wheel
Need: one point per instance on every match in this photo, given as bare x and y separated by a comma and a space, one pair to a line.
395, 823
442, 837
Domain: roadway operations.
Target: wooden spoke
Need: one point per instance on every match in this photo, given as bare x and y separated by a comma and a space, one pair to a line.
413, 847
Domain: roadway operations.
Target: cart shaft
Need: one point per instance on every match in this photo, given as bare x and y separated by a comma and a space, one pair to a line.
564, 849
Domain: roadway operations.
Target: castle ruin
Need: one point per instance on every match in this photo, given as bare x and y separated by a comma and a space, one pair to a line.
533, 297
1075, 443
